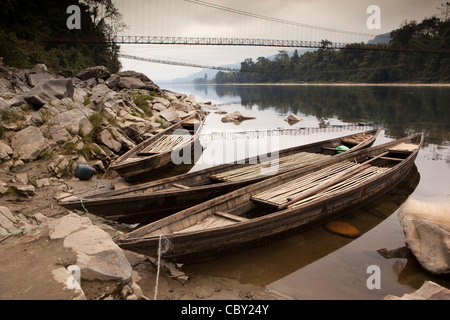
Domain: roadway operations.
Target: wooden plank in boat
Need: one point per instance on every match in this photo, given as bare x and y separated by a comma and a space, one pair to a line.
164, 144
281, 194
230, 216
404, 148
256, 170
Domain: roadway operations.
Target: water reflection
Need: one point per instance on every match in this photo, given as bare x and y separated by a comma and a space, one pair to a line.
267, 264
317, 264
401, 110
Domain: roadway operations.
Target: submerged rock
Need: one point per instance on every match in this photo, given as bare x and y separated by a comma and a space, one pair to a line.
237, 117
293, 118
342, 228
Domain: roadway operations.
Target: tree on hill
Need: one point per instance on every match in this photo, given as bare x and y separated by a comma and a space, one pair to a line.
27, 25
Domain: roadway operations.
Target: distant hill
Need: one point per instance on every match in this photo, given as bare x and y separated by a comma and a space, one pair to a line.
211, 73
384, 38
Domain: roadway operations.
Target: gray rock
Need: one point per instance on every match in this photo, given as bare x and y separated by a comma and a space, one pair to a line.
293, 118
3, 104
426, 226
170, 116
49, 90
428, 291
42, 182
17, 101
5, 151
28, 143
121, 137
7, 220
134, 74
27, 191
98, 72
35, 79
98, 257
159, 107
181, 106
21, 178
59, 134
236, 117
108, 140
112, 81
73, 120
131, 83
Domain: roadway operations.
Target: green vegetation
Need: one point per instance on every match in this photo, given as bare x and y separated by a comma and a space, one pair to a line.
28, 30
367, 66
11, 115
45, 154
141, 101
96, 120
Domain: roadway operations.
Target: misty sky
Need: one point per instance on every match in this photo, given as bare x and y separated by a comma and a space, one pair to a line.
184, 18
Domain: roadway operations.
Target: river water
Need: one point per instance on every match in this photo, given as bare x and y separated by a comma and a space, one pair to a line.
318, 264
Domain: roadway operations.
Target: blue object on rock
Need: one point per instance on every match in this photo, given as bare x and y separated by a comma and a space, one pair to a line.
84, 172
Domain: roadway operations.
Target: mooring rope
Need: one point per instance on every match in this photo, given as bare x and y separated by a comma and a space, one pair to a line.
158, 267
97, 222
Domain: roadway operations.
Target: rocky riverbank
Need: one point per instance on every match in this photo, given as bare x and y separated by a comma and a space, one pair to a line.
49, 124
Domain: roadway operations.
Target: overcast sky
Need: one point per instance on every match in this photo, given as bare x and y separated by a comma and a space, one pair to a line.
184, 18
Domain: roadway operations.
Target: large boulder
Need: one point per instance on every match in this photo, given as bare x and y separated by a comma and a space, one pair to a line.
108, 140
28, 143
170, 115
49, 90
426, 226
131, 83
129, 80
76, 121
98, 72
39, 74
4, 105
5, 151
98, 257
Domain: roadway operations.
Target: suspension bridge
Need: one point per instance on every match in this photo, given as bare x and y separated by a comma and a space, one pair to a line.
202, 23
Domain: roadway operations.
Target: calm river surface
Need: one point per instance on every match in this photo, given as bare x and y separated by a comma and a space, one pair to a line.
317, 264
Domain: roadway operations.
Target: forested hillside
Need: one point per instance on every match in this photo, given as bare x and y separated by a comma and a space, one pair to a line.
366, 66
28, 29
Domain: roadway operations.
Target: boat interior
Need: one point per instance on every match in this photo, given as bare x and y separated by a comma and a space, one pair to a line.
324, 183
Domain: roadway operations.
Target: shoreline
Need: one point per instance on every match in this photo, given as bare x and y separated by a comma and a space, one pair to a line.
343, 84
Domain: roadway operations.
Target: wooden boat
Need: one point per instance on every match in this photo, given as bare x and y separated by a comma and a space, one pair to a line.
154, 200
156, 152
277, 206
